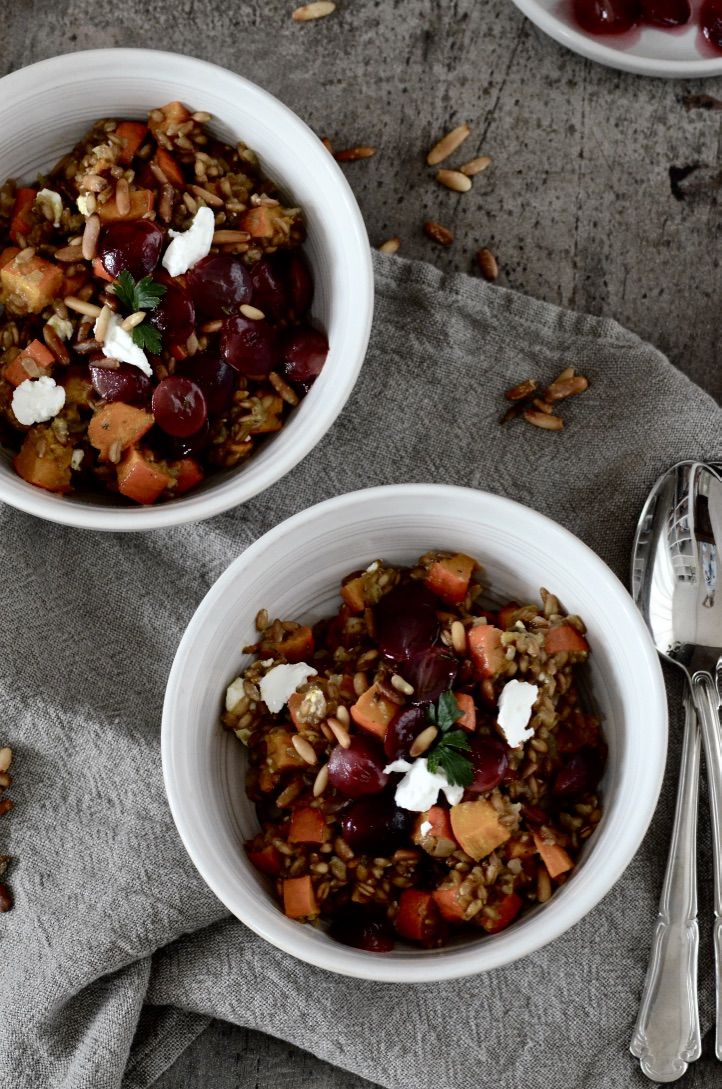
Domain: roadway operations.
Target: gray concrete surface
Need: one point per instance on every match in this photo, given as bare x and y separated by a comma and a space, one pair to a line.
578, 205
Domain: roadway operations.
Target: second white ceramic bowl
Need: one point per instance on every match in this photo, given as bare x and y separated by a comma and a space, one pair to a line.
295, 571
46, 108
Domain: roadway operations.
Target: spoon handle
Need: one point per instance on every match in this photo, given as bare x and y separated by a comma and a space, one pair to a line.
667, 1035
706, 701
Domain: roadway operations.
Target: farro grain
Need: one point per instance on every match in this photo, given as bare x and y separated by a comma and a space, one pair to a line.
487, 264
221, 238
541, 420
206, 195
68, 254
458, 637
437, 233
122, 196
283, 389
543, 885
353, 154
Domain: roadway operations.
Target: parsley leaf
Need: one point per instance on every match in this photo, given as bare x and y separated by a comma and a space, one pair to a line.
446, 712
143, 295
147, 337
448, 755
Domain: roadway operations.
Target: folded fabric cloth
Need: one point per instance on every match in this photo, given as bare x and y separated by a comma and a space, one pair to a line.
116, 954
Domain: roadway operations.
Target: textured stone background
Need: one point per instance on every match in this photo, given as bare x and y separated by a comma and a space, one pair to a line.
578, 206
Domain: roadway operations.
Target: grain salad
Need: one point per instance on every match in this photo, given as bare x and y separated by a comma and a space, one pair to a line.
422, 763
155, 311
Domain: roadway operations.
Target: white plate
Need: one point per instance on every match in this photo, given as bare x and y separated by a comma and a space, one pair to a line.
678, 54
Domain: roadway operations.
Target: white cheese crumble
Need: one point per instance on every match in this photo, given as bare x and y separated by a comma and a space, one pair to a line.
76, 458
118, 344
419, 788
191, 246
279, 684
82, 203
234, 694
515, 705
425, 827
62, 326
52, 200
373, 567
37, 399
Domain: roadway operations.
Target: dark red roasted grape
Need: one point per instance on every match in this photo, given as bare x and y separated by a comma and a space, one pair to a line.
579, 774
357, 770
431, 673
270, 288
363, 926
125, 383
376, 824
710, 19
133, 247
215, 378
300, 282
303, 354
179, 406
249, 346
606, 16
402, 732
175, 314
219, 285
490, 759
666, 12
406, 622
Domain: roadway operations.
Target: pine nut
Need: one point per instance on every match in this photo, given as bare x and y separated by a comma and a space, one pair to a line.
132, 320
339, 732
317, 9
6, 758
543, 886
252, 312
342, 715
401, 685
447, 145
458, 637
424, 741
101, 325
391, 245
321, 781
90, 237
475, 166
122, 196
522, 390
261, 619
454, 179
360, 683
304, 749
542, 420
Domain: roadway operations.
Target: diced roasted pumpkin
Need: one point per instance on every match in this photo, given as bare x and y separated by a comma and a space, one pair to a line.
468, 711
173, 113
170, 167
280, 753
554, 857
449, 578
117, 423
21, 219
99, 270
505, 912
295, 646
418, 918
294, 702
39, 361
266, 859
299, 900
486, 650
141, 202
353, 594
373, 712
141, 479
258, 222
433, 833
565, 638
43, 461
29, 284
7, 255
308, 826
449, 902
478, 828
506, 615
187, 473
131, 135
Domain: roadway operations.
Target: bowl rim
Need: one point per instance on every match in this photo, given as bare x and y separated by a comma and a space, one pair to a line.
595, 50
432, 965
233, 491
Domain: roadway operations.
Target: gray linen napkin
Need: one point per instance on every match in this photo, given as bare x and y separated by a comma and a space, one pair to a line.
113, 934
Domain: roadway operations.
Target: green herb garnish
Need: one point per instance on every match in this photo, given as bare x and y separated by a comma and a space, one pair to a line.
447, 754
143, 295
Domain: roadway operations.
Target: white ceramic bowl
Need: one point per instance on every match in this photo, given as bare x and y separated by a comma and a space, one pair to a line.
678, 54
294, 571
45, 108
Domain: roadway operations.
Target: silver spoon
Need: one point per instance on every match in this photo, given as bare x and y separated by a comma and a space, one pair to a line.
675, 573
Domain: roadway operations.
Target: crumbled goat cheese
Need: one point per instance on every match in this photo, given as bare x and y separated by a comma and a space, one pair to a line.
76, 458
425, 827
373, 567
118, 344
48, 198
234, 694
37, 399
62, 326
191, 246
82, 203
515, 705
279, 684
419, 788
